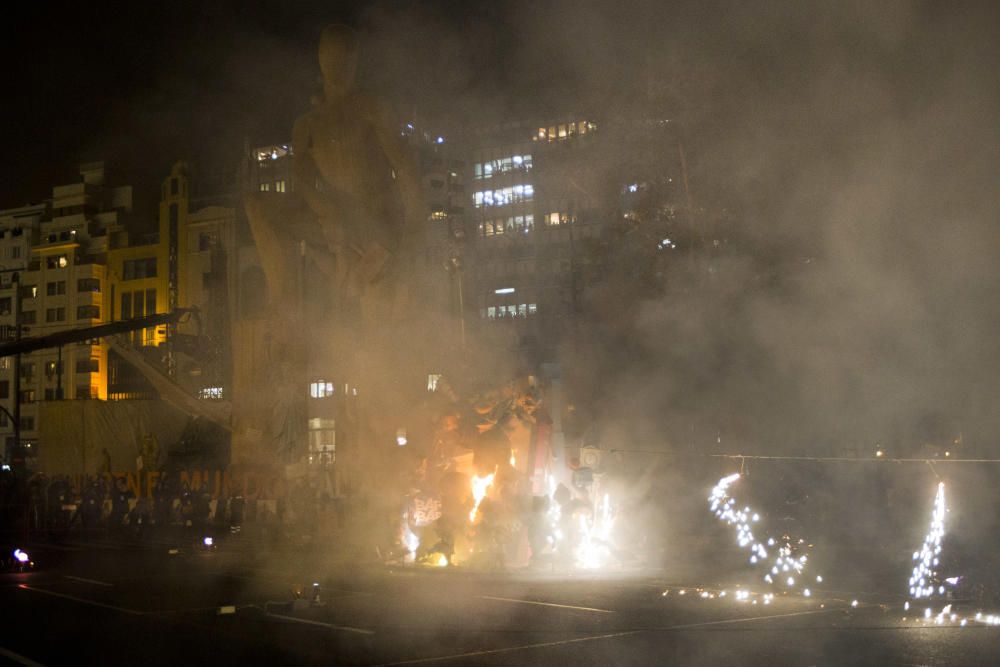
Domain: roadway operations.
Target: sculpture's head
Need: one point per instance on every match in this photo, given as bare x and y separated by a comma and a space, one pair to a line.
338, 59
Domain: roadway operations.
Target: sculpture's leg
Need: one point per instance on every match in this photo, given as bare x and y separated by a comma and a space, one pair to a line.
270, 233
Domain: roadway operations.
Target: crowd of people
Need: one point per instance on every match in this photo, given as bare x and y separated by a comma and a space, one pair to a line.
104, 505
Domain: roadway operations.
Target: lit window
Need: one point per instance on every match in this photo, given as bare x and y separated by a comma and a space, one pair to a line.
491, 312
478, 170
321, 389
432, 381
265, 187
322, 440
542, 134
210, 393
553, 219
279, 186
504, 196
562, 131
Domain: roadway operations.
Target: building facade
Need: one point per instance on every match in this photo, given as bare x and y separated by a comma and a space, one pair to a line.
74, 261
545, 194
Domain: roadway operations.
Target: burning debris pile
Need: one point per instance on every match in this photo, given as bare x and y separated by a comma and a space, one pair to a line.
485, 495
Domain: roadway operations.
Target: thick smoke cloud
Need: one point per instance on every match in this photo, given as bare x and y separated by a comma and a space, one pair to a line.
856, 145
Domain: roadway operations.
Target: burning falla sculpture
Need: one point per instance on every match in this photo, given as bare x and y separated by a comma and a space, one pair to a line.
349, 227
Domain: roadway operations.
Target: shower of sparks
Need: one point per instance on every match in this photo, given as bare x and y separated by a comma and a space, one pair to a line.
479, 487
927, 559
594, 549
925, 582
784, 565
412, 543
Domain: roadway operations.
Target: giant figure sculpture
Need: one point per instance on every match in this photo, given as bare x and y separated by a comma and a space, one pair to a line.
335, 253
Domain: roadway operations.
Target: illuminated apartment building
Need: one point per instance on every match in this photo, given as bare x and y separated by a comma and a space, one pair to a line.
544, 195
177, 267
61, 247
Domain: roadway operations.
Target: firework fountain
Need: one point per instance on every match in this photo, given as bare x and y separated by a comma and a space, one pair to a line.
926, 585
928, 558
785, 569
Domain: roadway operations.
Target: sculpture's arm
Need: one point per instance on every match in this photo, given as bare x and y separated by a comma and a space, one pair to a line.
404, 165
338, 215
307, 176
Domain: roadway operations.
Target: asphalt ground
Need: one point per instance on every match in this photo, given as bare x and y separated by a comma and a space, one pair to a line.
104, 604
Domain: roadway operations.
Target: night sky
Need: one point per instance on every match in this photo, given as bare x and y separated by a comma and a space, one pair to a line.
763, 90
142, 84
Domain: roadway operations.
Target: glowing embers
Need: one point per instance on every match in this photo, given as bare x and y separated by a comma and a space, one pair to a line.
922, 581
739, 595
787, 564
479, 487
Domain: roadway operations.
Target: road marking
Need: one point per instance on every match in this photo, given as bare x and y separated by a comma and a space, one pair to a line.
87, 581
133, 612
56, 547
746, 619
687, 626
288, 581
547, 604
508, 649
18, 658
345, 628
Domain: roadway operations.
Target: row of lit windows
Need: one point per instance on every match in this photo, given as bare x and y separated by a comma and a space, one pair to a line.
557, 218
56, 261
277, 186
272, 152
502, 166
509, 311
325, 389
564, 130
514, 223
503, 196
523, 223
